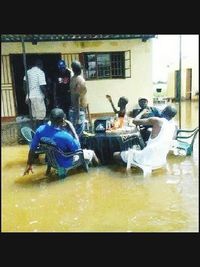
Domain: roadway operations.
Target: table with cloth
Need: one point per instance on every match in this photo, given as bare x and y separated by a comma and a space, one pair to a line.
105, 144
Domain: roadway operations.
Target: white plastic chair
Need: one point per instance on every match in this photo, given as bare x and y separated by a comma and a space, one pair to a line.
147, 170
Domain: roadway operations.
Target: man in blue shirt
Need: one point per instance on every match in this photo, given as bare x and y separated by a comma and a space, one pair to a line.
53, 132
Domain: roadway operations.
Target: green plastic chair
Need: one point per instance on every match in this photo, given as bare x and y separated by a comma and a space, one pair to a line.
28, 134
52, 151
185, 140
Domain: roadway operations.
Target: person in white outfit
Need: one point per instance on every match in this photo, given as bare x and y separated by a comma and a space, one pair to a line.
37, 91
159, 142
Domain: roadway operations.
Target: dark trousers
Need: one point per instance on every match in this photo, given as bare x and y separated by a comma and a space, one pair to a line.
64, 104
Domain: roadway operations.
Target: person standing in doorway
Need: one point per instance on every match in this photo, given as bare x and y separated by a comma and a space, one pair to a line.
78, 91
37, 91
61, 87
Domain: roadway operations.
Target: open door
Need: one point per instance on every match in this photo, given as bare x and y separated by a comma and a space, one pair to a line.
16, 60
177, 85
188, 84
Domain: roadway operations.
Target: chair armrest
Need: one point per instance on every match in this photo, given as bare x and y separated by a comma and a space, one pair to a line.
193, 133
71, 154
187, 131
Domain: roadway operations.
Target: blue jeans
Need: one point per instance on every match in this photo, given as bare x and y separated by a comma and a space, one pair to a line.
78, 127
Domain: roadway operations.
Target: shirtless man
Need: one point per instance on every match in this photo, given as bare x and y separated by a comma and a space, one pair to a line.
123, 101
78, 91
159, 142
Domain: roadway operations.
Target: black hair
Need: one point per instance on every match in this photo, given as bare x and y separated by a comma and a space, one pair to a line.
56, 116
123, 100
38, 62
142, 99
76, 67
169, 112
143, 102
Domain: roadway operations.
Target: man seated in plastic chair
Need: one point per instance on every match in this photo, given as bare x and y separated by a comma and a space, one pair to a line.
65, 139
154, 155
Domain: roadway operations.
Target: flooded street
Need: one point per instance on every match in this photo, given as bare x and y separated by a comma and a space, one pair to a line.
107, 199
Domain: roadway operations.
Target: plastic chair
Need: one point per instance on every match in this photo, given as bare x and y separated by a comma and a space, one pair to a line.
52, 151
28, 134
185, 147
147, 170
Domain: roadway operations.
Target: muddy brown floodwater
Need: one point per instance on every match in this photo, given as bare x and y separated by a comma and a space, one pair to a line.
107, 199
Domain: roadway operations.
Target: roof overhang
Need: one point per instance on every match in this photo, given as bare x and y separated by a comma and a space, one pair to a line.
34, 38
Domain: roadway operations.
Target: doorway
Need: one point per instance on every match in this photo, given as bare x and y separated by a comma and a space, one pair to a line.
188, 84
177, 85
18, 72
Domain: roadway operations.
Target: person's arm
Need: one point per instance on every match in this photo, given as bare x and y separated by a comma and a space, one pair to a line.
42, 83
31, 154
79, 90
24, 87
111, 102
25, 91
142, 113
149, 121
78, 108
43, 89
30, 160
69, 126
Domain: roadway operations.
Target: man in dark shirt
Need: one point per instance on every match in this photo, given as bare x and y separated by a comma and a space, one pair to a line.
150, 112
143, 103
62, 97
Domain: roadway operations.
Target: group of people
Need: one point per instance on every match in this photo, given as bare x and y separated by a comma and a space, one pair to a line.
67, 119
157, 129
68, 90
158, 144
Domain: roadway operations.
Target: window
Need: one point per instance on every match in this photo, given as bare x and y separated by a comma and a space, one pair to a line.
104, 65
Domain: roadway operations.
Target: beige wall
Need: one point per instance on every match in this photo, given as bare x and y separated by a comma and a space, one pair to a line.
140, 83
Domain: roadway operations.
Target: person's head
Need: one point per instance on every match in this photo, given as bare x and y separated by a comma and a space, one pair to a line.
123, 101
61, 65
168, 112
143, 102
57, 116
38, 63
76, 67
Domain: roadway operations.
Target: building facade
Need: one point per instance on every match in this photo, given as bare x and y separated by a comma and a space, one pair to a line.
117, 65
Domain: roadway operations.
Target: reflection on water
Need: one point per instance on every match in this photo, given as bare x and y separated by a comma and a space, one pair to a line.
106, 199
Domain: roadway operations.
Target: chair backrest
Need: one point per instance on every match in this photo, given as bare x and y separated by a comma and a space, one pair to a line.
27, 133
188, 135
52, 151
185, 139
